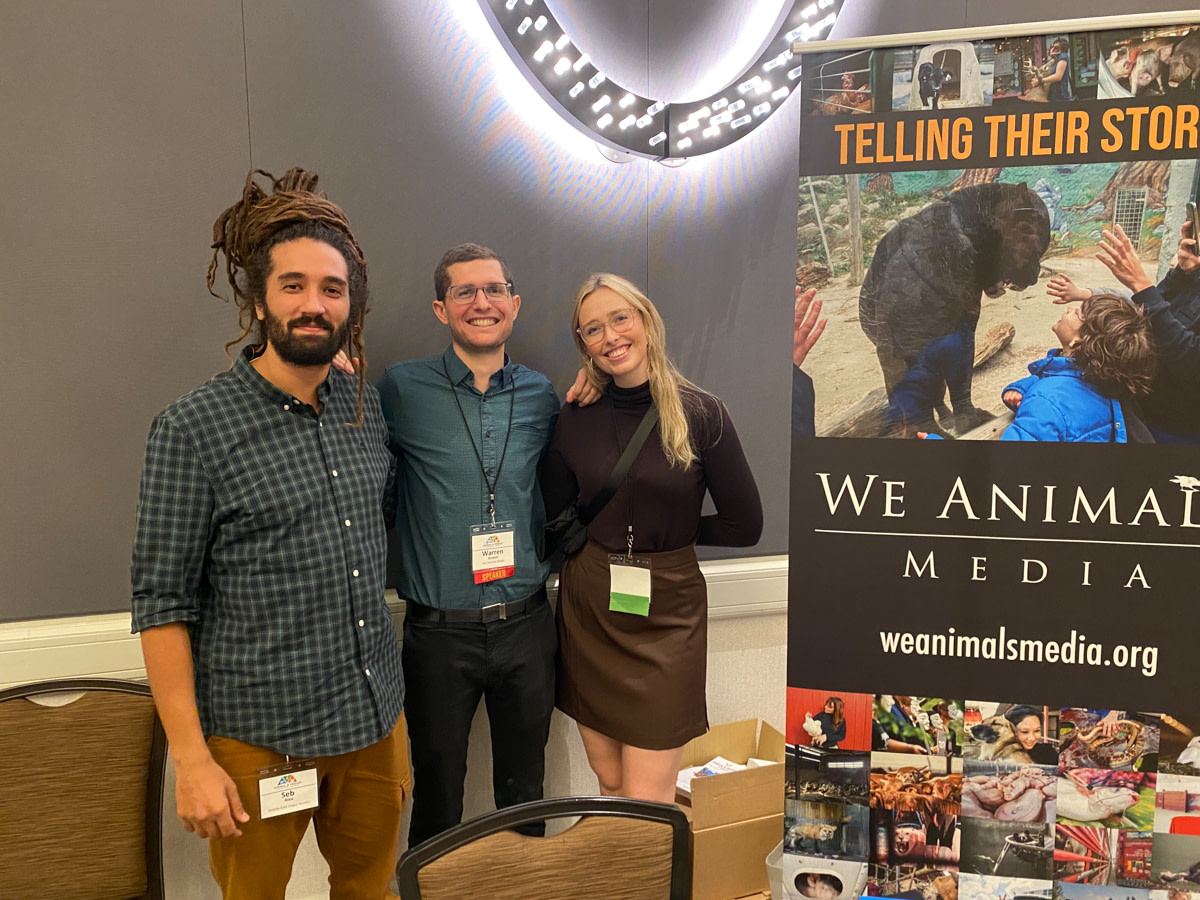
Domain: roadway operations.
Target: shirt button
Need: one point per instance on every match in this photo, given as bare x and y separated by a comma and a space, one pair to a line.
488, 433
335, 473
347, 523
490, 472
355, 573
361, 623
286, 406
368, 671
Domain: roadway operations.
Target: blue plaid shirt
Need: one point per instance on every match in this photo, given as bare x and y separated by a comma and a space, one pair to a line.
260, 525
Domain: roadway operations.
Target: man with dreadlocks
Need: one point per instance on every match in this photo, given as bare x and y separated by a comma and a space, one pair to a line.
258, 567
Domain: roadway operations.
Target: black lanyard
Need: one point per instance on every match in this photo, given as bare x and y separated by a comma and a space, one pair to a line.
630, 479
491, 485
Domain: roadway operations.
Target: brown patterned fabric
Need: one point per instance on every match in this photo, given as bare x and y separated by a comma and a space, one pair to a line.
603, 856
73, 797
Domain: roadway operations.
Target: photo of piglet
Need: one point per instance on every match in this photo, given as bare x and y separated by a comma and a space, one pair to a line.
1009, 793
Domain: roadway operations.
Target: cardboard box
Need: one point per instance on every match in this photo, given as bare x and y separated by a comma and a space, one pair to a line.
737, 817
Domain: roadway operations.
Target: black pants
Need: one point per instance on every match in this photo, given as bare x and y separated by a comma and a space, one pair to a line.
447, 668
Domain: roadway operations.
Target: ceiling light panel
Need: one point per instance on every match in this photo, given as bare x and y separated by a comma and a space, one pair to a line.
570, 81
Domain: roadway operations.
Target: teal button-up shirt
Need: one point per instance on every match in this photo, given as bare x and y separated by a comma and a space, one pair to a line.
441, 487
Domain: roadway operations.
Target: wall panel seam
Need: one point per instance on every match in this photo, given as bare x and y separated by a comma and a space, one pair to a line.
101, 645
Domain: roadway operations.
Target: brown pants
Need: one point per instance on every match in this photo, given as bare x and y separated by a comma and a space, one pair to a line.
357, 821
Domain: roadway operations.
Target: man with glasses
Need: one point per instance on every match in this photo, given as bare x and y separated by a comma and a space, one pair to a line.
468, 429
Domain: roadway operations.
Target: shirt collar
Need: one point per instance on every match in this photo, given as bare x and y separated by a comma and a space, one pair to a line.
459, 371
252, 378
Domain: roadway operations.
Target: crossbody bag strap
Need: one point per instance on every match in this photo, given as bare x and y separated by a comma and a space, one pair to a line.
621, 469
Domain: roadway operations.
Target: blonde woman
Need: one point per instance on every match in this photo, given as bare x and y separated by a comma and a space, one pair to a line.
631, 671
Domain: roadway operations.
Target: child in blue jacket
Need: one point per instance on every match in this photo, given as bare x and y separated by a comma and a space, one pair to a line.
1074, 393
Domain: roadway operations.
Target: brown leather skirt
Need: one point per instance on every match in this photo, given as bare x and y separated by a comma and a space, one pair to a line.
636, 679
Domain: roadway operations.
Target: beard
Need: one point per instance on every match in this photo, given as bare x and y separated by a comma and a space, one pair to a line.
304, 349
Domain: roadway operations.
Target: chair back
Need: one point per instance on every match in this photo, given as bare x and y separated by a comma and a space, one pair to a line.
619, 849
81, 791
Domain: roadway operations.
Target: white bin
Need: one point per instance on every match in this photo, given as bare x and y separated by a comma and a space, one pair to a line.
775, 871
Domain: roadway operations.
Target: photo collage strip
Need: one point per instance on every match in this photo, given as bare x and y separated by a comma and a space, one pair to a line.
955, 74
890, 795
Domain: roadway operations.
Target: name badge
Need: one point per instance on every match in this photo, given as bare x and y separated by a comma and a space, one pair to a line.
287, 788
493, 551
629, 584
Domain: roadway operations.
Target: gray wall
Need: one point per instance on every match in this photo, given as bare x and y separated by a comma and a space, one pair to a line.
129, 124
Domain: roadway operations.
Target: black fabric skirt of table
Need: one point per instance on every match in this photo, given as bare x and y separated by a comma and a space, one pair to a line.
636, 679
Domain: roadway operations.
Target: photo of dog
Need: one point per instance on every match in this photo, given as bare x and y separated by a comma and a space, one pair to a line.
995, 739
1011, 733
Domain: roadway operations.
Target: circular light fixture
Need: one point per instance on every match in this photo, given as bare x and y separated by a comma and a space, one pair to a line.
644, 126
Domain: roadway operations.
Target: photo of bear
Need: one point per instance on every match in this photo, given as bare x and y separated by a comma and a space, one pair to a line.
940, 299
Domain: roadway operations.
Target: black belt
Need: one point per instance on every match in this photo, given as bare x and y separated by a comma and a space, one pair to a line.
495, 613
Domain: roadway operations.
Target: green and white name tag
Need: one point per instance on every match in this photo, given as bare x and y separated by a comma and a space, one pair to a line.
287, 788
629, 584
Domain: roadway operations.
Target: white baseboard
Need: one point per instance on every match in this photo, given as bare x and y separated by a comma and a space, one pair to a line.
102, 646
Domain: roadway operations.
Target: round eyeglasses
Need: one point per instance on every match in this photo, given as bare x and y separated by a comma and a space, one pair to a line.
619, 320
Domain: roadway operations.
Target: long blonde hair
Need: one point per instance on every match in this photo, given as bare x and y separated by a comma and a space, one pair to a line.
665, 379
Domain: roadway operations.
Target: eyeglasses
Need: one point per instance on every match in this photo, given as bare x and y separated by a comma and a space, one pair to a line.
465, 293
619, 320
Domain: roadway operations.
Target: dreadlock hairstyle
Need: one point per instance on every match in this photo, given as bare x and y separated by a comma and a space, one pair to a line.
248, 231
1115, 348
667, 384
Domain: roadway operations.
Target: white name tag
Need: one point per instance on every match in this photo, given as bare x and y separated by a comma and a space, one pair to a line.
286, 789
493, 551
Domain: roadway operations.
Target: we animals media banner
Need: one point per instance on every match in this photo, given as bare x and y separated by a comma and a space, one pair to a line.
993, 647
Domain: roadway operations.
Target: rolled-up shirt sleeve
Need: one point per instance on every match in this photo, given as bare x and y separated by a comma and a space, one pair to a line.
174, 521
